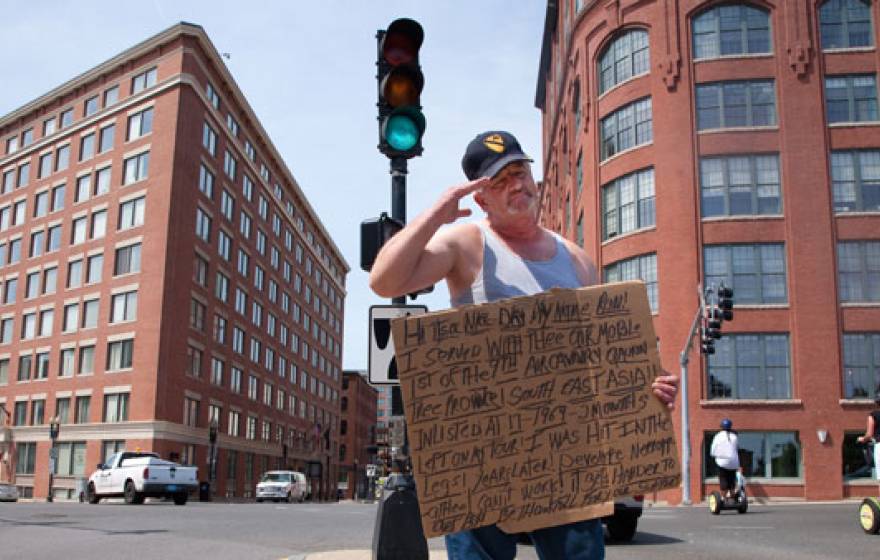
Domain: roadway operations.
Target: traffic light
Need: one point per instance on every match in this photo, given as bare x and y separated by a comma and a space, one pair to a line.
400, 82
725, 302
375, 232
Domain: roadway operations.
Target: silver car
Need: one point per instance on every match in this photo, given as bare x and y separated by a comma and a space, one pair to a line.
8, 492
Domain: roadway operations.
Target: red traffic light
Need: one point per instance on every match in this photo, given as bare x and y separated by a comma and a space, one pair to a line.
402, 41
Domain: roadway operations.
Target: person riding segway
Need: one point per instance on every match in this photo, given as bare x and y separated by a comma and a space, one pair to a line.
725, 451
869, 511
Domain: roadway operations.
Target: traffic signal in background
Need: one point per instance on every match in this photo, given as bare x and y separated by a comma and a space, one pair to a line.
714, 315
400, 82
375, 232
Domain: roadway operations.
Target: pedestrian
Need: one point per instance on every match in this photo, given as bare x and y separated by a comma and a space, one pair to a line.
725, 450
506, 254
872, 435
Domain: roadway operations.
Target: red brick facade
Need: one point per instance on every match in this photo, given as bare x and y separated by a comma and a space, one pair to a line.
159, 348
357, 433
688, 137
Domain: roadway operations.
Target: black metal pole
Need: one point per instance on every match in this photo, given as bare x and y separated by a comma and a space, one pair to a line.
398, 201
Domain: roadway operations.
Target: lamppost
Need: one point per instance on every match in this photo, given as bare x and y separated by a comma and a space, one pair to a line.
212, 438
54, 427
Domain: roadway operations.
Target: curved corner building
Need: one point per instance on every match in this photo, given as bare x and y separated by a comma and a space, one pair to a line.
691, 143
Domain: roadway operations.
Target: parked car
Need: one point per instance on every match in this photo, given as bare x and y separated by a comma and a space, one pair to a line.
8, 492
623, 523
139, 475
282, 485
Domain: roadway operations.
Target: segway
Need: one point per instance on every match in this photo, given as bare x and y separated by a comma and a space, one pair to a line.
739, 501
869, 511
869, 515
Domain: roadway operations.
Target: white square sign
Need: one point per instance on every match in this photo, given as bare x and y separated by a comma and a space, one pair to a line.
383, 364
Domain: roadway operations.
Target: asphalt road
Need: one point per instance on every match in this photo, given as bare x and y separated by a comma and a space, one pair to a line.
220, 531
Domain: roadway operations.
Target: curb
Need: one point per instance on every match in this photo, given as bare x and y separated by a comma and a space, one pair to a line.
355, 554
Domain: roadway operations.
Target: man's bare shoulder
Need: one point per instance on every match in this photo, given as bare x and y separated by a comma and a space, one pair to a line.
585, 266
464, 236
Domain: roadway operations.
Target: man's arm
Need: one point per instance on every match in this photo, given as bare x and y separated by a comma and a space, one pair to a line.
869, 431
416, 256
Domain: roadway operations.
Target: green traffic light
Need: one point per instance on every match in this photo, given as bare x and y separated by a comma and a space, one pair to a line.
401, 132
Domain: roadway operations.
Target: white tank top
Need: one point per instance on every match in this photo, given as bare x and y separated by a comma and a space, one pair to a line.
505, 274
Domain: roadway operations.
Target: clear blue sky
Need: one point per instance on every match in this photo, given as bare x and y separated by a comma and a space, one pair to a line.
308, 71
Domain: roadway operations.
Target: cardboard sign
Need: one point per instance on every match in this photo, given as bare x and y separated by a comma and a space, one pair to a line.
534, 411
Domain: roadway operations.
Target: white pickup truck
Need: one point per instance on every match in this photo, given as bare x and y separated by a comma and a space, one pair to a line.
139, 475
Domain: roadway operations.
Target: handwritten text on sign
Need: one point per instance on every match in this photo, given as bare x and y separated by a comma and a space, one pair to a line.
534, 411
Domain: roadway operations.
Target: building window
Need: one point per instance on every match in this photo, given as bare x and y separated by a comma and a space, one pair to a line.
25, 457
136, 168
143, 81
625, 57
203, 225
98, 224
111, 447
102, 181
38, 412
209, 139
86, 360
644, 268
197, 315
116, 407
94, 268
856, 180
66, 118
19, 416
846, 24
861, 365
224, 245
221, 287
227, 204
111, 96
81, 415
740, 185
45, 168
124, 307
858, 269
217, 371
67, 365
139, 124
755, 272
87, 147
119, 354
71, 458
851, 98
127, 259
731, 30
62, 410
90, 107
234, 421
211, 93
105, 138
736, 104
627, 127
750, 366
232, 124
628, 203
206, 181
765, 455
229, 165
62, 158
131, 213
190, 412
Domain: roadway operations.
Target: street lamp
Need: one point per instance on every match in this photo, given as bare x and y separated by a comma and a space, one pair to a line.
54, 428
212, 438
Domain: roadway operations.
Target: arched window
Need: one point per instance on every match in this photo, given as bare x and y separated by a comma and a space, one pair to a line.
625, 57
576, 107
731, 30
846, 24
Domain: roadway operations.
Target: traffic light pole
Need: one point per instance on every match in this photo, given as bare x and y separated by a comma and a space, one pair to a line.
398, 201
685, 420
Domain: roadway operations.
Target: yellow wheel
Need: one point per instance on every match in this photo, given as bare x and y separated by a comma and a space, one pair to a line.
715, 503
869, 515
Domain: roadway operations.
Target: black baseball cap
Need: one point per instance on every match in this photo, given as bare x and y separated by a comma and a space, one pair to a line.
489, 152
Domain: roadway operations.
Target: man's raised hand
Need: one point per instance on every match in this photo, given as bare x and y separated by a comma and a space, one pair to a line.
447, 208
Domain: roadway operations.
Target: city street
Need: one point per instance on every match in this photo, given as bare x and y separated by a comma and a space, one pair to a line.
274, 531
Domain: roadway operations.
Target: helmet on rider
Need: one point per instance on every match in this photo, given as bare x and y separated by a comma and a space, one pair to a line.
726, 424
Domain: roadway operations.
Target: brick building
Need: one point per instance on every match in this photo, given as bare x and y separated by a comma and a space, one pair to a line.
357, 433
161, 271
699, 142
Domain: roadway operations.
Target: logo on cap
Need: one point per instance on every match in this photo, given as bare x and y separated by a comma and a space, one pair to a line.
495, 143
